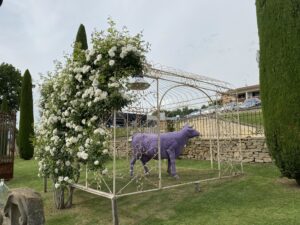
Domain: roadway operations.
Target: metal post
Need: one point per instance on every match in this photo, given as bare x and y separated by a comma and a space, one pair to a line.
114, 154
158, 136
114, 211
86, 176
45, 184
211, 154
127, 141
239, 136
218, 144
114, 200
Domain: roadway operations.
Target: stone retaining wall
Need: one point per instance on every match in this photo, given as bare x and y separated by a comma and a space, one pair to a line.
253, 149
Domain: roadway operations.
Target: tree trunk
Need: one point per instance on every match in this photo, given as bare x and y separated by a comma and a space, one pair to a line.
63, 197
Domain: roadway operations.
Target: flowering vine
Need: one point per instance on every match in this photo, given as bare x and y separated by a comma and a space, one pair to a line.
78, 98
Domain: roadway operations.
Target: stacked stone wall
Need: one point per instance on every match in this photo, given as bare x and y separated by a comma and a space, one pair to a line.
253, 149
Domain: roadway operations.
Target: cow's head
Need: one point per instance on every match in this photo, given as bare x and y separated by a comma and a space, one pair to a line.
190, 131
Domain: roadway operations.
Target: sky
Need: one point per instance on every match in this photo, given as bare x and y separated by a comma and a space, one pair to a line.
215, 38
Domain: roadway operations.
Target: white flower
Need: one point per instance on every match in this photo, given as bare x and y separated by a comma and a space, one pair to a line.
111, 54
103, 95
56, 185
78, 128
82, 155
105, 151
96, 163
78, 77
56, 170
81, 148
68, 163
66, 113
92, 52
60, 178
95, 83
98, 93
94, 118
66, 179
52, 151
105, 171
85, 68
99, 131
83, 121
111, 51
110, 85
99, 57
111, 62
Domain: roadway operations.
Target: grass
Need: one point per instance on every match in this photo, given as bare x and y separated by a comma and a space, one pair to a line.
258, 197
254, 118
248, 117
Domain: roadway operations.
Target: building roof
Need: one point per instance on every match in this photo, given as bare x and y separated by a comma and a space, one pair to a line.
247, 88
244, 89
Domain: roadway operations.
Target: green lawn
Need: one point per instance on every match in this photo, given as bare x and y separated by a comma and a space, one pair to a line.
258, 197
254, 118
248, 117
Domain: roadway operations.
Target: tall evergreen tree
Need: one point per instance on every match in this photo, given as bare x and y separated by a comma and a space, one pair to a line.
26, 130
279, 35
80, 42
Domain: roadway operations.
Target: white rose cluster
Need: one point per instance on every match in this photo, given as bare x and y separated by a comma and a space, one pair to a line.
76, 100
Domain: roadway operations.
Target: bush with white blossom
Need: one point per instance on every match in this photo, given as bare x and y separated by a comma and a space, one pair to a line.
77, 100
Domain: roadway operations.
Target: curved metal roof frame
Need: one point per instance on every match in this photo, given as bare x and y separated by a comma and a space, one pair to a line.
175, 89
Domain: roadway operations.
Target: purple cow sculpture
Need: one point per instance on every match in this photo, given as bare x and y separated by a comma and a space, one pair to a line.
145, 147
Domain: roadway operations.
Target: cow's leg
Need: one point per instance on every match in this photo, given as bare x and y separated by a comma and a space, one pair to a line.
169, 166
144, 161
172, 158
132, 162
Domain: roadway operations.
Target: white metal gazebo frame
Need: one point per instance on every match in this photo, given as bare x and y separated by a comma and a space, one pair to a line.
155, 98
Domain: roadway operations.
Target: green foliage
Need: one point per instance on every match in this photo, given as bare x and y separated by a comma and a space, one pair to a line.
4, 106
10, 85
26, 118
80, 42
279, 34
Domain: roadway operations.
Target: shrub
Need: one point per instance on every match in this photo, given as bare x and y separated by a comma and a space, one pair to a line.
10, 85
76, 102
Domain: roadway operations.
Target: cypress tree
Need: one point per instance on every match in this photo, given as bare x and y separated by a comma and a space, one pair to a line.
80, 41
26, 130
279, 67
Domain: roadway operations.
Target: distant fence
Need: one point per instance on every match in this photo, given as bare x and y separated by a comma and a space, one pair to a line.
231, 124
247, 123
